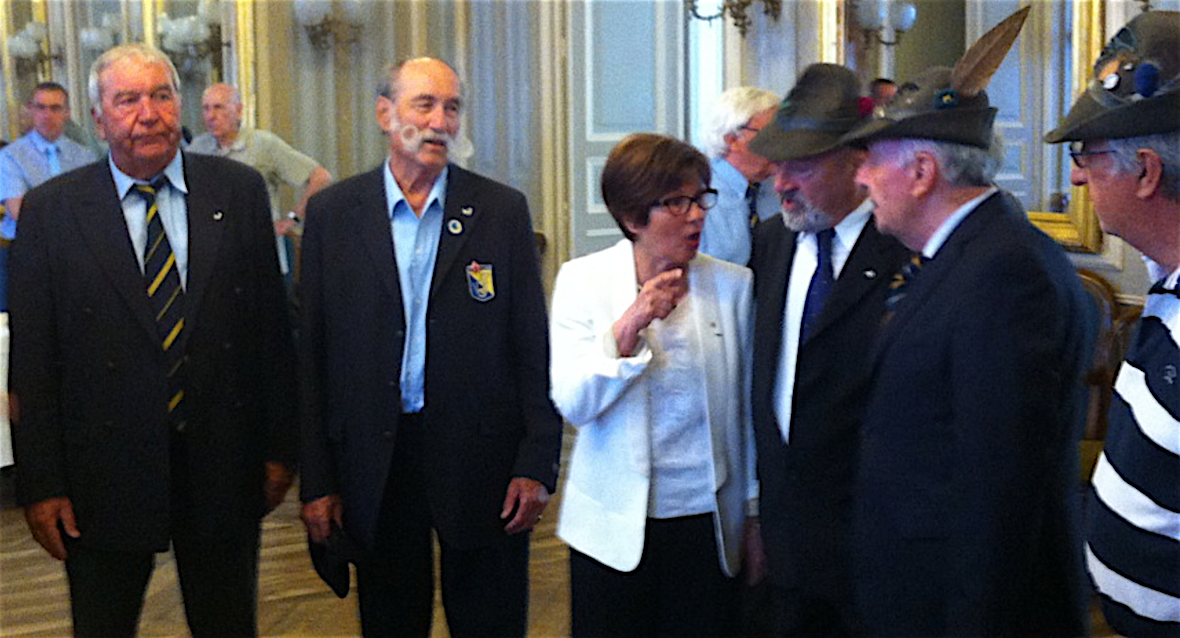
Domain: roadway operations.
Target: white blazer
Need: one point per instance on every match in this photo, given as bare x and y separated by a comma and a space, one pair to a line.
604, 505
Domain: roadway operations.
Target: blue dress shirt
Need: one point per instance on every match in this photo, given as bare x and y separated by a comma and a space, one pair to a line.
25, 164
415, 249
727, 225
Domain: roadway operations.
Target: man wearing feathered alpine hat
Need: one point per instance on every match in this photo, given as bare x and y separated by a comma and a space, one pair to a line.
966, 522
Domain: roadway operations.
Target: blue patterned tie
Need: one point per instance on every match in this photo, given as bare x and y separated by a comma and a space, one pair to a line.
752, 202
821, 283
166, 296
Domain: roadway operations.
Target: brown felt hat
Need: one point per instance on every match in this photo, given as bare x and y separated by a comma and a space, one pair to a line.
823, 106
1136, 86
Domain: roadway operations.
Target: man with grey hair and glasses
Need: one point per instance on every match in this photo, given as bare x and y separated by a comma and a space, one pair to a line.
1124, 132
738, 173
151, 364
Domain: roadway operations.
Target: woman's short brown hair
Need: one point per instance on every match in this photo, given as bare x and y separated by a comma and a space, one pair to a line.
643, 168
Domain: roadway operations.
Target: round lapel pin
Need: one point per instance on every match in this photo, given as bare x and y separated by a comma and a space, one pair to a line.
454, 226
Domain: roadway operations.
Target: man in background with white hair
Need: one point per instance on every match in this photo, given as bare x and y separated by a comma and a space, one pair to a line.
738, 173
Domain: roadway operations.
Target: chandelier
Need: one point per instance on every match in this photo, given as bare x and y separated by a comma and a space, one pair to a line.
738, 11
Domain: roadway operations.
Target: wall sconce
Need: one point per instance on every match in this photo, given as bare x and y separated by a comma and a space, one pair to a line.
885, 20
28, 47
325, 26
738, 10
192, 39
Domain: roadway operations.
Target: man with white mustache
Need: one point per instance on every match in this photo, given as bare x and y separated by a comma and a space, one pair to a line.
811, 361
426, 376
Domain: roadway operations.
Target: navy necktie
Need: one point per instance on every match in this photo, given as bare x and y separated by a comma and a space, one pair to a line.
821, 283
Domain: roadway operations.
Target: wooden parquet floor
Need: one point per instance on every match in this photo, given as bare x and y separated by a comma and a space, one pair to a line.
292, 601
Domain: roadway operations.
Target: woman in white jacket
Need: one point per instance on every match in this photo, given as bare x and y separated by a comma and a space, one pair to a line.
651, 362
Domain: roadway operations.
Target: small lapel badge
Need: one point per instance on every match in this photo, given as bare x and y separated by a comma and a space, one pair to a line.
479, 281
454, 226
870, 273
218, 215
467, 211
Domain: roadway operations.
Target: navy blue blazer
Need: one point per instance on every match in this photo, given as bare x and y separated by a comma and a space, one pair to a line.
88, 375
806, 487
966, 499
488, 416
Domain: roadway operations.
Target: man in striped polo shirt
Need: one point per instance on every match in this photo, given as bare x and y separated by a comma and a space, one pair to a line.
1125, 143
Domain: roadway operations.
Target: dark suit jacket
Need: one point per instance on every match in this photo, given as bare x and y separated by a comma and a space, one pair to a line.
88, 374
806, 487
966, 514
488, 416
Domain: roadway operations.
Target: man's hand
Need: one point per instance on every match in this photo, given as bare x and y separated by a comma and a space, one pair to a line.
278, 481
319, 515
753, 553
284, 226
528, 498
42, 518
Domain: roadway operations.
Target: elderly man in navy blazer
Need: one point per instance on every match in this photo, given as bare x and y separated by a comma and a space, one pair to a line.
966, 519
151, 391
426, 374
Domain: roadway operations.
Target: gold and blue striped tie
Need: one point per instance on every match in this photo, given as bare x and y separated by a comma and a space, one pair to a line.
166, 296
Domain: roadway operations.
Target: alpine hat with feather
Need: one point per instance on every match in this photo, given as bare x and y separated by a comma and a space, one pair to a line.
1136, 85
944, 104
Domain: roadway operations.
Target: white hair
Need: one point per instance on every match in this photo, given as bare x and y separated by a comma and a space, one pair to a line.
137, 50
1166, 145
730, 113
961, 165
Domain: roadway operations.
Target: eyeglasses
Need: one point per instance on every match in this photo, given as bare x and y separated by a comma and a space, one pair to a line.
747, 127
1077, 154
679, 205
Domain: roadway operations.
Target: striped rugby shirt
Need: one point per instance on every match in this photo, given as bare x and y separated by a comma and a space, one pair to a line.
1133, 540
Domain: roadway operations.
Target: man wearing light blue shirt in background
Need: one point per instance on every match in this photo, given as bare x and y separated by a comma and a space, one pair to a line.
40, 154
738, 174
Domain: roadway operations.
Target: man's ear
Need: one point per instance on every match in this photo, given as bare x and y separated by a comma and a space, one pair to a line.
98, 125
1151, 175
383, 109
924, 171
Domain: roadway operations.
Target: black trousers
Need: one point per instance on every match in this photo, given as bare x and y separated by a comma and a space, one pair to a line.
484, 590
218, 580
678, 589
218, 574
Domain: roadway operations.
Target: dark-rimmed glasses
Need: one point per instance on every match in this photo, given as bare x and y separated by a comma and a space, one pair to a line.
680, 204
1078, 155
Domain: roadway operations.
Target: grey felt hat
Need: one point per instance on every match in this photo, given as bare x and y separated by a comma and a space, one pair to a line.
947, 104
1136, 86
819, 110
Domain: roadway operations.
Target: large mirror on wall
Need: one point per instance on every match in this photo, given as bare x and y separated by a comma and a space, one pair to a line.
58, 40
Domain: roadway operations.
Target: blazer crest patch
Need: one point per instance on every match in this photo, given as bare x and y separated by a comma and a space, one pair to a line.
480, 283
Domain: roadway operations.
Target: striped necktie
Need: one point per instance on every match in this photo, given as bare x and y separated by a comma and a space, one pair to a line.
166, 296
901, 280
752, 202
